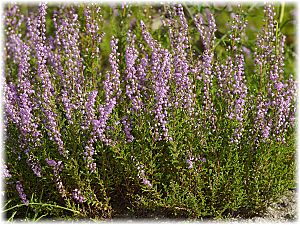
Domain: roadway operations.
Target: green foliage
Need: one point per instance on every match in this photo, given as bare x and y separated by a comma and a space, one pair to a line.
231, 180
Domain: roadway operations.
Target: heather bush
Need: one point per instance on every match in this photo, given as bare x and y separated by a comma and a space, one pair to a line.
146, 109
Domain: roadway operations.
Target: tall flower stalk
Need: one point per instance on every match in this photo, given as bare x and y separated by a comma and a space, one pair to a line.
37, 29
207, 35
161, 62
179, 38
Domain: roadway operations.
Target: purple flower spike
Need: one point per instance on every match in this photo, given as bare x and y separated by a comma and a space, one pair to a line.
35, 165
20, 189
77, 196
57, 168
178, 32
6, 172
190, 163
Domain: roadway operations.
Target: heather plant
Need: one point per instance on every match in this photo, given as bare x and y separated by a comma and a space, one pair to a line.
105, 111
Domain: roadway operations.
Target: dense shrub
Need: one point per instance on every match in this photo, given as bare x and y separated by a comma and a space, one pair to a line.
176, 119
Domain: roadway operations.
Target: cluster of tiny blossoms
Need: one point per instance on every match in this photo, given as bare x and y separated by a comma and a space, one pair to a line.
20, 189
275, 110
57, 168
61, 116
179, 38
206, 72
239, 88
141, 173
161, 62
